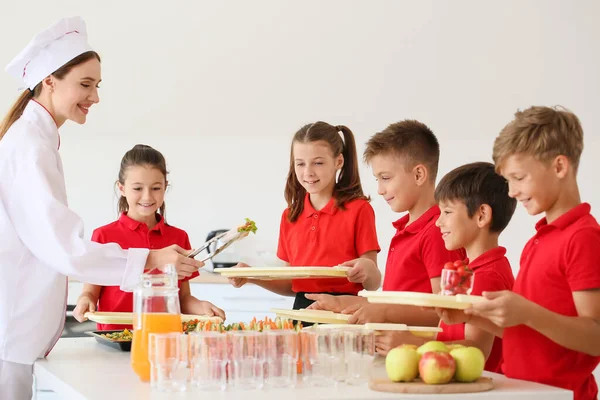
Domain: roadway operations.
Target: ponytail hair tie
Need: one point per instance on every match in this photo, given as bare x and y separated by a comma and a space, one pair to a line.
341, 133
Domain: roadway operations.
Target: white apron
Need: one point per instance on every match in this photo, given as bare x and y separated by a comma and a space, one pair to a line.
42, 243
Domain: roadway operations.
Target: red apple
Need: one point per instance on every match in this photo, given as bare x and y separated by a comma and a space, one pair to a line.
436, 367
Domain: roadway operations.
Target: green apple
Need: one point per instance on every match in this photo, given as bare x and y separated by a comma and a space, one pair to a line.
453, 346
433, 346
402, 364
436, 367
469, 363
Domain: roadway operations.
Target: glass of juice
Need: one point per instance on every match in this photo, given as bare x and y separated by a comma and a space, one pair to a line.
155, 310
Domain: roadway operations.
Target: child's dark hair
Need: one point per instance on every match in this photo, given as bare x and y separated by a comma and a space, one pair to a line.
476, 184
142, 155
412, 140
348, 186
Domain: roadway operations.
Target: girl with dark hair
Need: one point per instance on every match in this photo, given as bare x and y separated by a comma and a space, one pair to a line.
329, 220
142, 223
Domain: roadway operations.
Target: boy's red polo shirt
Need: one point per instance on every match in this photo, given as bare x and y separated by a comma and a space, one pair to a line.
561, 258
417, 254
492, 273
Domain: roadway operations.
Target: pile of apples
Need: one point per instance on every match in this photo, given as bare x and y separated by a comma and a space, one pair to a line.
435, 363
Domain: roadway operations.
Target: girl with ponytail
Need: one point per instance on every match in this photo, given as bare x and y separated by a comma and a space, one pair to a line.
142, 183
328, 220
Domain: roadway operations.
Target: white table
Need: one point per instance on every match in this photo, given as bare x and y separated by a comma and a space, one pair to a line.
82, 369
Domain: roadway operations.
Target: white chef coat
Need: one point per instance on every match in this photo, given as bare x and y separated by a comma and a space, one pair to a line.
42, 241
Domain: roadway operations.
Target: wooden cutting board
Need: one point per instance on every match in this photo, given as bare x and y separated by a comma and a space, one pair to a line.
482, 384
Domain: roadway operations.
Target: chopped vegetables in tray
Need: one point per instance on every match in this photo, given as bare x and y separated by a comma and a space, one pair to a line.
249, 226
189, 326
211, 326
254, 325
124, 336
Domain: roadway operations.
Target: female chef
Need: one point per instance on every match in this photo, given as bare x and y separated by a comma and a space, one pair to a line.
42, 239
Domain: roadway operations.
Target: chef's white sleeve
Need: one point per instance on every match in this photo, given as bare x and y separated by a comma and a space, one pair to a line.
54, 233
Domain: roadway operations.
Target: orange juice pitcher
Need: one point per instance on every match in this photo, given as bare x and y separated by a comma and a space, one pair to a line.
155, 310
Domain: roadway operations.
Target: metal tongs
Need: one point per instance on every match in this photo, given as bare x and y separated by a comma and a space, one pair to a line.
237, 236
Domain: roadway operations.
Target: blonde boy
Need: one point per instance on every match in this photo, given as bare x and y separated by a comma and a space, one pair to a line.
550, 324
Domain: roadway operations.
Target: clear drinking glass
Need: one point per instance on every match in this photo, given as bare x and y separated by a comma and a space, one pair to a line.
359, 355
316, 357
208, 360
281, 358
168, 356
337, 340
454, 282
246, 359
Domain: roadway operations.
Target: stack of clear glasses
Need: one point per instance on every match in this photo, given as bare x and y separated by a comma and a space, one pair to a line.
249, 360
335, 355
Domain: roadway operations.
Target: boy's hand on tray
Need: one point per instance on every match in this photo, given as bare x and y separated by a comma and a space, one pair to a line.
387, 340
452, 316
363, 313
325, 302
336, 304
504, 308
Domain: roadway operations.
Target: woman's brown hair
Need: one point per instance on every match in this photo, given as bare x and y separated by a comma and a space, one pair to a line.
142, 155
348, 186
18, 107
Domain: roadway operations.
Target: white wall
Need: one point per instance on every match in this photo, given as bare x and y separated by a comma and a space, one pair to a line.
220, 88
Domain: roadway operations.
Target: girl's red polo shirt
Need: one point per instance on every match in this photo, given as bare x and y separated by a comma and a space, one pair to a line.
327, 238
129, 233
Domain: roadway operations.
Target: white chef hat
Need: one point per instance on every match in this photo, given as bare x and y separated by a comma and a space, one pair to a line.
49, 50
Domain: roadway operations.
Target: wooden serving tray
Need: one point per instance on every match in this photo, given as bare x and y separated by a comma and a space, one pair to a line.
275, 273
314, 316
459, 302
482, 384
422, 331
122, 318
